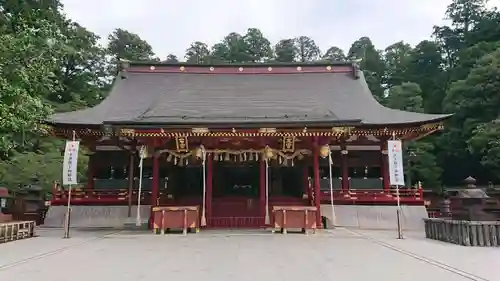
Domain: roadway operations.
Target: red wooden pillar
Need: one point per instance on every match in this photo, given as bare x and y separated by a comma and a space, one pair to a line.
208, 197
344, 168
155, 184
154, 187
317, 199
90, 172
384, 166
262, 187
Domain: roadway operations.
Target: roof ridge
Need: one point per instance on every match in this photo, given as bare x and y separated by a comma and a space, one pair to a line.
254, 64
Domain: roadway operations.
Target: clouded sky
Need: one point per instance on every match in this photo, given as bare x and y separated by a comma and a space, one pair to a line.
171, 25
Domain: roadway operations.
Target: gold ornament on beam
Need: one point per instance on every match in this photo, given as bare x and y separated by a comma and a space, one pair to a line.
181, 144
268, 153
199, 152
288, 144
324, 151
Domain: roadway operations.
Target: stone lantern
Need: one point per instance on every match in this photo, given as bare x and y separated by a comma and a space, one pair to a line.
472, 203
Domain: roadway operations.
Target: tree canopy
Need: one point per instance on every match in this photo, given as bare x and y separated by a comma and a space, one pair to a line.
49, 63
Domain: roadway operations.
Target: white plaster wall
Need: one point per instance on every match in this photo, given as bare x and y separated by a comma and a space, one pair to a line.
95, 216
374, 217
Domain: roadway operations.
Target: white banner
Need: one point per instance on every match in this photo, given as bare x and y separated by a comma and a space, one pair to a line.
69, 173
395, 155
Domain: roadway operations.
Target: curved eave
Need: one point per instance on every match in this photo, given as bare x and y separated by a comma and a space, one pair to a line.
437, 119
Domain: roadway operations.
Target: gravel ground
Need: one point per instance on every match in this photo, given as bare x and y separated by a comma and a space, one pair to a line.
339, 254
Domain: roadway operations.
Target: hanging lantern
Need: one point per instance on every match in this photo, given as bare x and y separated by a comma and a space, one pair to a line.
199, 152
324, 151
268, 153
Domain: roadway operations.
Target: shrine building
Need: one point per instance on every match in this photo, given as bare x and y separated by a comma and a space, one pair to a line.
236, 140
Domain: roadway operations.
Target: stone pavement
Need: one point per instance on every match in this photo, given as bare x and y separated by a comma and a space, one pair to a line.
339, 254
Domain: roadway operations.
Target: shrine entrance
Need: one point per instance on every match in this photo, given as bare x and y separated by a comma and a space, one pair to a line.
236, 193
236, 180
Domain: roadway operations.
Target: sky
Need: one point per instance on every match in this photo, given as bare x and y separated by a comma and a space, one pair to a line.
170, 26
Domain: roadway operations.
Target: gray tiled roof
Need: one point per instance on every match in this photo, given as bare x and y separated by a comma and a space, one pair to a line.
182, 98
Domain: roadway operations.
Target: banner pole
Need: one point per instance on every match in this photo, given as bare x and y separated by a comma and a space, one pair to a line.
68, 209
398, 213
395, 180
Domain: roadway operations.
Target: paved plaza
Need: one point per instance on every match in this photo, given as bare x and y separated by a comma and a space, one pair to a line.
339, 254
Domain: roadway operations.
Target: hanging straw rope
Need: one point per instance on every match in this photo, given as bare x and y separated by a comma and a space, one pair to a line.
267, 220
203, 162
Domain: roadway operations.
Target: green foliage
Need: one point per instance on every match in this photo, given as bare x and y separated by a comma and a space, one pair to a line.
485, 142
334, 54
44, 164
285, 51
422, 164
49, 63
407, 96
27, 73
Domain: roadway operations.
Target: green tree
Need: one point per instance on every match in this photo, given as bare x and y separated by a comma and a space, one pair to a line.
82, 72
44, 164
197, 53
27, 73
171, 58
370, 62
422, 164
407, 96
396, 58
464, 16
285, 50
485, 142
307, 49
425, 67
123, 44
257, 45
334, 54
420, 155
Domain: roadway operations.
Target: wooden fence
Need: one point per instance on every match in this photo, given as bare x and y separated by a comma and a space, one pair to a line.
11, 231
466, 233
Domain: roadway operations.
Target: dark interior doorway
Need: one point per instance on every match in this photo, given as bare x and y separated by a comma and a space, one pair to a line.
236, 180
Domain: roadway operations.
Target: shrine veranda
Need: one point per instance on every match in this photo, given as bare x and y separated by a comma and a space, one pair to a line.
213, 134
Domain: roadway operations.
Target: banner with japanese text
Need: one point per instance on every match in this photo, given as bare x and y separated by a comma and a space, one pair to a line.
69, 173
395, 155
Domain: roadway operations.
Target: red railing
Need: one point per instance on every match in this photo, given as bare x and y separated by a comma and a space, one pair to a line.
406, 195
236, 222
97, 196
